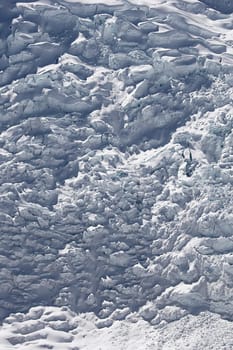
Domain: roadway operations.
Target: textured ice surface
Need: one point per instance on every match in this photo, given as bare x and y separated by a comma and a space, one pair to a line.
116, 159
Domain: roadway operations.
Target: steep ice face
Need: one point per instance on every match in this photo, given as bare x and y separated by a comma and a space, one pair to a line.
116, 159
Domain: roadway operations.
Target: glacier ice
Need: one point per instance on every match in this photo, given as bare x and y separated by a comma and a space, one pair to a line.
98, 103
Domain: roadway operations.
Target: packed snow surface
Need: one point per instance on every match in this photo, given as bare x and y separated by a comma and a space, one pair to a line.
116, 150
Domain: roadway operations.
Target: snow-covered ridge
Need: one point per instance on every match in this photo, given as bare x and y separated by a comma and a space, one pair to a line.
116, 159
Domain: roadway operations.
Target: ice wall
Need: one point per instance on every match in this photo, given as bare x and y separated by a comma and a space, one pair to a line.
115, 148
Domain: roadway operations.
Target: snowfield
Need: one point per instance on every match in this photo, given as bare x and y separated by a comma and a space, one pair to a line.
116, 150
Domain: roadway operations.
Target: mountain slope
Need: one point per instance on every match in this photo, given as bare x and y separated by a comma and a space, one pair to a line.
116, 160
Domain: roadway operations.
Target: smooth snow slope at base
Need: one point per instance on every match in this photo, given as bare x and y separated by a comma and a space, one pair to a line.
60, 329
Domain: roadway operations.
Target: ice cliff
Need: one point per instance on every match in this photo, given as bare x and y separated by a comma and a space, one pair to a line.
116, 152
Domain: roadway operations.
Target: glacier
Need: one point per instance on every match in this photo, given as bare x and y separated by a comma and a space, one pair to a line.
116, 170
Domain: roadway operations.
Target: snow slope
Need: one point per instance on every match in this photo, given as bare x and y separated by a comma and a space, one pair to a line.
116, 174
